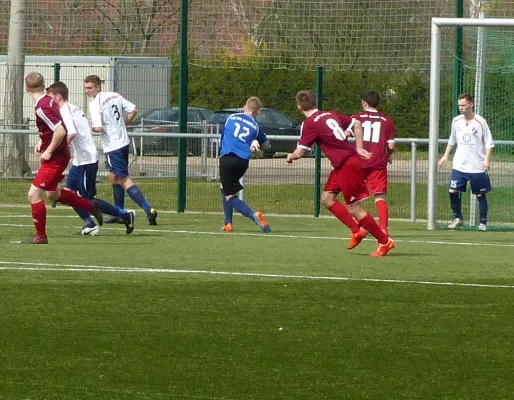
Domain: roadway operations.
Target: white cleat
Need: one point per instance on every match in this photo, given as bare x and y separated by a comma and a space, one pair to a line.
455, 223
94, 231
482, 228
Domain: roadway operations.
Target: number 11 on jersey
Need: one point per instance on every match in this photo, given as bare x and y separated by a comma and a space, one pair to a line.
371, 131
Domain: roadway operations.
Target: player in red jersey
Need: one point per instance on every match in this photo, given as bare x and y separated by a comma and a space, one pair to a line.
53, 149
378, 139
328, 130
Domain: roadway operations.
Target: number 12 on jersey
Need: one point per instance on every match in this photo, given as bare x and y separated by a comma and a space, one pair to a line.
371, 131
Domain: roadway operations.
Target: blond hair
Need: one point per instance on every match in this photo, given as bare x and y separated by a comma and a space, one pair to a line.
253, 104
34, 82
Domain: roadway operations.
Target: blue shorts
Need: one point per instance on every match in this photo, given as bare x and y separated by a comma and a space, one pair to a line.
480, 183
117, 161
82, 179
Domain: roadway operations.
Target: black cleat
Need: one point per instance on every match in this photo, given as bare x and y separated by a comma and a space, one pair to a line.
97, 214
113, 220
152, 217
129, 221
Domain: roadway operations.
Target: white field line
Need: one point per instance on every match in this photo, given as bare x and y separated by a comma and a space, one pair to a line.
26, 266
273, 235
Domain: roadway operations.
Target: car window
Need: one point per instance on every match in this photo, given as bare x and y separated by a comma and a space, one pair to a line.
282, 119
206, 114
266, 117
164, 115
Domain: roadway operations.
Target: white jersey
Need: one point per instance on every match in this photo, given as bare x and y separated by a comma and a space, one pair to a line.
83, 147
107, 111
472, 138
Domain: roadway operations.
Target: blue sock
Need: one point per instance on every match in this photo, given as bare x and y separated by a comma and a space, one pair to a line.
482, 207
456, 204
227, 208
84, 216
118, 193
241, 207
110, 209
138, 198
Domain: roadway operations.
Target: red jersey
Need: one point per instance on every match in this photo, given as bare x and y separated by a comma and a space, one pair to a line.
48, 118
377, 133
326, 128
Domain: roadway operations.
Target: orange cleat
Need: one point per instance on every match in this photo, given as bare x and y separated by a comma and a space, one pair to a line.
356, 238
226, 228
258, 218
383, 249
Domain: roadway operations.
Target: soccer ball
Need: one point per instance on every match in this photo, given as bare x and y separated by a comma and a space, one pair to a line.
255, 147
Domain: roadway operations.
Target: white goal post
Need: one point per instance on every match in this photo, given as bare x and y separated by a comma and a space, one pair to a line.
435, 89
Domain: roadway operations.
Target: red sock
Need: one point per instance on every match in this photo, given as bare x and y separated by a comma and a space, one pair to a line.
368, 223
39, 217
344, 216
383, 214
71, 199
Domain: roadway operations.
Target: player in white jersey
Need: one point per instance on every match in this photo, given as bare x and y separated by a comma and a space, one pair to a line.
107, 111
471, 161
82, 174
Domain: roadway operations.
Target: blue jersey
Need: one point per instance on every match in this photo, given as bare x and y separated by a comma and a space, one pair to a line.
238, 133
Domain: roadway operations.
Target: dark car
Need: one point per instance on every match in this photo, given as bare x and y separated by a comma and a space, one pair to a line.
165, 120
272, 122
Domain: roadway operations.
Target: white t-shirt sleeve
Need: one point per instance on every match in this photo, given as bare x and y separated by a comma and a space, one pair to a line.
67, 118
128, 107
488, 137
452, 141
95, 114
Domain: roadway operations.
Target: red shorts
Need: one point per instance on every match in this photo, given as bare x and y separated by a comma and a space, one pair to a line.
376, 180
49, 176
348, 178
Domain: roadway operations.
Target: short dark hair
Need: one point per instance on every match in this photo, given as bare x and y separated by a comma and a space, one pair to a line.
466, 96
372, 98
59, 88
306, 99
95, 79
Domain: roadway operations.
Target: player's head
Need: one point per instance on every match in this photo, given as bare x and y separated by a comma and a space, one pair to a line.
253, 106
58, 91
306, 100
92, 85
370, 99
465, 103
34, 82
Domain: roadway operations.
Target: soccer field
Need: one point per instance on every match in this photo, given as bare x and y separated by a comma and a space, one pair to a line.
183, 311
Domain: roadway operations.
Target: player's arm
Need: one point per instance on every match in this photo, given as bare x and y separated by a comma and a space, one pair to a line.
359, 142
57, 138
451, 141
67, 119
307, 139
95, 117
37, 148
130, 109
489, 145
130, 116
263, 141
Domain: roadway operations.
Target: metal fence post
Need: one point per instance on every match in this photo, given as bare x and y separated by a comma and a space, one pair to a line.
413, 159
317, 151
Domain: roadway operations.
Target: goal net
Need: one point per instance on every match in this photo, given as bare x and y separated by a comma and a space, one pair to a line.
483, 66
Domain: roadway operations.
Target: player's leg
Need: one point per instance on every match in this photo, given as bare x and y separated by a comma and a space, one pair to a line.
480, 186
355, 190
38, 209
74, 182
119, 174
228, 210
233, 170
458, 182
377, 184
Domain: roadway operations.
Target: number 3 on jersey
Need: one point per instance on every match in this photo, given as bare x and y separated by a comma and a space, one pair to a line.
241, 135
371, 131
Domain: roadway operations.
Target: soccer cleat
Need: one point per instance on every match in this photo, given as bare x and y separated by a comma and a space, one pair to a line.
482, 228
455, 223
356, 238
89, 231
129, 221
226, 228
152, 217
35, 240
383, 249
258, 218
98, 214
113, 220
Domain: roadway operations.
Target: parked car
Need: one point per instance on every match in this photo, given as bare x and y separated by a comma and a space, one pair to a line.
272, 122
165, 120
